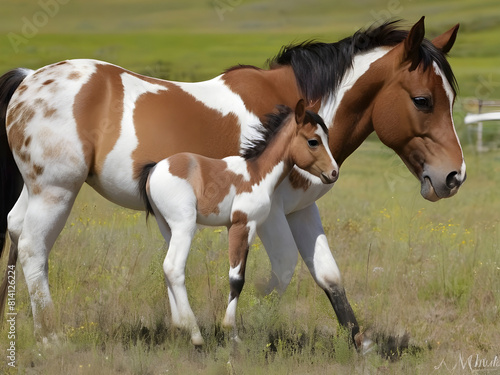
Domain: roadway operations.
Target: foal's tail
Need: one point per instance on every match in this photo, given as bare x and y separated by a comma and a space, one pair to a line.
11, 181
143, 186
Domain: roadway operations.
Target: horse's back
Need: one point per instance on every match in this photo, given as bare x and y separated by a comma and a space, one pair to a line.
96, 122
113, 121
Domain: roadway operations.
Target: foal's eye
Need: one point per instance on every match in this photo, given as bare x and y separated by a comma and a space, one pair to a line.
313, 143
422, 103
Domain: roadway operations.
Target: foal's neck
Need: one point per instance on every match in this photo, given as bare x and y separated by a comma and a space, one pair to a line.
277, 151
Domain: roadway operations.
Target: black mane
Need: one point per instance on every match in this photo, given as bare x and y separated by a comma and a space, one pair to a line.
319, 67
271, 126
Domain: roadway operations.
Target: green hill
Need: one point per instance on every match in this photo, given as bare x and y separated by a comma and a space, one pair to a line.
194, 40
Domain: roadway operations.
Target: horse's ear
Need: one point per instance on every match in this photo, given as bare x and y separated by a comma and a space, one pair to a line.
445, 41
412, 44
300, 112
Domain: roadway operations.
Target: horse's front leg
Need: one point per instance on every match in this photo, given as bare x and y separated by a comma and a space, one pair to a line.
241, 235
280, 246
313, 247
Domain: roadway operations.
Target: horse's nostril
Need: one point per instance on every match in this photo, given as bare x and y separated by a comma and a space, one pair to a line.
334, 174
452, 180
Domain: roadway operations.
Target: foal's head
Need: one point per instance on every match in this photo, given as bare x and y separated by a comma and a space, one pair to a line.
304, 141
309, 148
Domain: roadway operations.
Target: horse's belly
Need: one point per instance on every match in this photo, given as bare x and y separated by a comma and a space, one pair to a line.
119, 190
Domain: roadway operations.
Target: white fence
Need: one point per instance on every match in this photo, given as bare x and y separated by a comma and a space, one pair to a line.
492, 113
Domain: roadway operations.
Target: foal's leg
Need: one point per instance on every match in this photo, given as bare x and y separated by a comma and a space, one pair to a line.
174, 204
174, 268
241, 235
45, 216
167, 235
313, 246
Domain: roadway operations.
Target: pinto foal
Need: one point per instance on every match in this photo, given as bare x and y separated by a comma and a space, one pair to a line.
188, 189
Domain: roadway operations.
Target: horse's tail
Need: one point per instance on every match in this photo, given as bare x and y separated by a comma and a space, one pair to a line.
143, 185
11, 181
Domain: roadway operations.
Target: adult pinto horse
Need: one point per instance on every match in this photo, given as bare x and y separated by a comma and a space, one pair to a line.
82, 121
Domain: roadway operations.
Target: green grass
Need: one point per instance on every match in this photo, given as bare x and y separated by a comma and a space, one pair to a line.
432, 270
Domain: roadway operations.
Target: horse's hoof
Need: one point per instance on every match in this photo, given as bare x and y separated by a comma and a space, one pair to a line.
50, 341
364, 344
236, 339
197, 340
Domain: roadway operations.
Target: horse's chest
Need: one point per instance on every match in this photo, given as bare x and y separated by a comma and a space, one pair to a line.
293, 199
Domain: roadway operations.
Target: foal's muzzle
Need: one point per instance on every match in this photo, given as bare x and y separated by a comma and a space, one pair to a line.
329, 178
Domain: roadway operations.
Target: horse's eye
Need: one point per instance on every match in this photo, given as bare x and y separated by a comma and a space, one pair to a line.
422, 103
313, 143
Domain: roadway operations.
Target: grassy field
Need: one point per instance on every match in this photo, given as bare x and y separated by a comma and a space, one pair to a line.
431, 270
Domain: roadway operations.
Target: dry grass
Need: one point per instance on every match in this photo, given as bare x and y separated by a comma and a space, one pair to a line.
431, 270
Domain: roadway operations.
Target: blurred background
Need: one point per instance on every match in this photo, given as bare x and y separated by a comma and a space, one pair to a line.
194, 40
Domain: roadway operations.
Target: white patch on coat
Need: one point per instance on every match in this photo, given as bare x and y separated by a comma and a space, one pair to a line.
116, 179
215, 94
449, 93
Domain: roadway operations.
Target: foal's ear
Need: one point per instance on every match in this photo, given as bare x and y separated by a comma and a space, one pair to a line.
300, 112
445, 41
412, 44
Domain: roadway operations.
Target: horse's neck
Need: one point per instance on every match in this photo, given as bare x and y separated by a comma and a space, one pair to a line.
347, 111
275, 160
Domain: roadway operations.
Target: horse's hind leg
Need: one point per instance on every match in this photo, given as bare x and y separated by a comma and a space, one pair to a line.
15, 224
45, 216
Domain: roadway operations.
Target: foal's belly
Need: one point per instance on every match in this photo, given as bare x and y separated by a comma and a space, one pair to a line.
214, 220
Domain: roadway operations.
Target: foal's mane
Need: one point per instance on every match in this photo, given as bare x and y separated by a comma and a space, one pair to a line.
271, 126
319, 67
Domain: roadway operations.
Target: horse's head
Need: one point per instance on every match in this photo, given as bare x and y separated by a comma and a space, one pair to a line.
412, 112
309, 148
